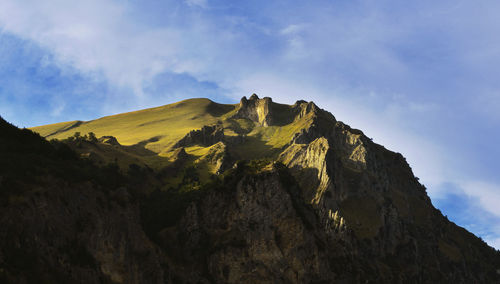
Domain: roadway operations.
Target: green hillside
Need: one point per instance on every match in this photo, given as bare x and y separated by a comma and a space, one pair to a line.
157, 128
149, 136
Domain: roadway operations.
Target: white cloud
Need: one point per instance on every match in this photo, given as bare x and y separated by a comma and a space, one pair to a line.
293, 29
199, 3
494, 242
488, 195
99, 38
58, 107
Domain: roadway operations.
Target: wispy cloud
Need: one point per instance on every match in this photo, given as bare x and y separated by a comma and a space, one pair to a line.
466, 206
488, 195
199, 3
99, 38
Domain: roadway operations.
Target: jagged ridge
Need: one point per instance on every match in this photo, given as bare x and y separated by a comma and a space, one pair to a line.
315, 201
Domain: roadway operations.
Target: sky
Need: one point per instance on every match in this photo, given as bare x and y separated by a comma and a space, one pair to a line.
419, 77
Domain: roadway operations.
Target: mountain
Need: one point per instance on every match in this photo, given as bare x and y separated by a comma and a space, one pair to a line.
200, 192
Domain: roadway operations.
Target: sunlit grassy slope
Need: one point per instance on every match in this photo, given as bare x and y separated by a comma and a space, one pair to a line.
156, 128
52, 130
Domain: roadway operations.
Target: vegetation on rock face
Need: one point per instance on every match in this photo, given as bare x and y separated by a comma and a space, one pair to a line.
25, 157
203, 192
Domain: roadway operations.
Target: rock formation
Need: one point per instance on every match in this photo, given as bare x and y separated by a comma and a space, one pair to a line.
317, 202
207, 135
109, 140
255, 109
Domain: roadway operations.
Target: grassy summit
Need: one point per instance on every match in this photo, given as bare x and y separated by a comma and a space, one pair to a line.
157, 130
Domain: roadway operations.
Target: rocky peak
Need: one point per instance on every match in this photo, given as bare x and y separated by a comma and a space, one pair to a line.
315, 202
254, 97
319, 123
267, 113
255, 109
303, 108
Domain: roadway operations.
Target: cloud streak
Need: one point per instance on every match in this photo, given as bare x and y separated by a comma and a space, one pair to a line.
98, 38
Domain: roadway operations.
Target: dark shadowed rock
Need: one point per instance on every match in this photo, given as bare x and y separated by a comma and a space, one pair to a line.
180, 154
206, 136
111, 140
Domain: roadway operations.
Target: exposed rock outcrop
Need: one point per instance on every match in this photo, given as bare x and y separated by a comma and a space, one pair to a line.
218, 157
255, 109
179, 155
111, 140
206, 136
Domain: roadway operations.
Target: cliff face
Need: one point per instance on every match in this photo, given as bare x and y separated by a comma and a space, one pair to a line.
316, 202
255, 230
353, 211
207, 135
255, 109
75, 234
368, 202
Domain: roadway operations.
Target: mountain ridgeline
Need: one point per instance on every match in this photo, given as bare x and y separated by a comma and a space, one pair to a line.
201, 192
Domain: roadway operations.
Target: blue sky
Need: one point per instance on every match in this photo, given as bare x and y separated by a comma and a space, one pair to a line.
419, 77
